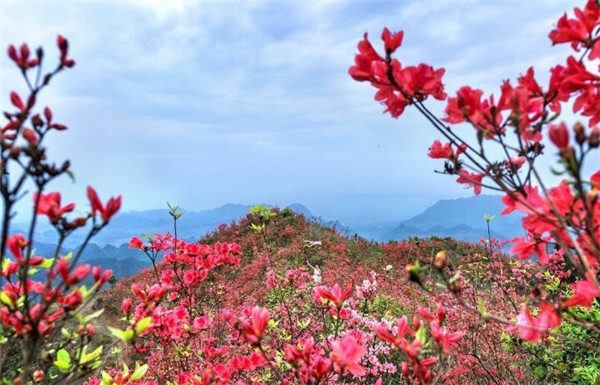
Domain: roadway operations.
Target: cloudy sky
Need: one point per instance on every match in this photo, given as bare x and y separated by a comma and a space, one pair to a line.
205, 103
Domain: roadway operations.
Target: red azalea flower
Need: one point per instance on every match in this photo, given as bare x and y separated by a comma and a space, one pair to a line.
466, 105
254, 328
577, 31
49, 205
136, 243
335, 294
16, 244
63, 46
21, 57
444, 338
403, 328
440, 151
346, 355
530, 328
525, 247
585, 293
559, 135
113, 205
473, 180
391, 40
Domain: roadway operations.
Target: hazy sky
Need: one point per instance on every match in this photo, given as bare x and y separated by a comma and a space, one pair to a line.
204, 103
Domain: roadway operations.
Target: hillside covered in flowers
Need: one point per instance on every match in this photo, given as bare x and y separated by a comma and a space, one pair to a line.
276, 298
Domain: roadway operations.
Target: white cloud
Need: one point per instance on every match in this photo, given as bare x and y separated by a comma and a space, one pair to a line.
170, 87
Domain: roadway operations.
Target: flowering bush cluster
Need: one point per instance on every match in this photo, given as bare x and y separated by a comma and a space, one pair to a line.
195, 331
262, 318
45, 333
276, 298
513, 125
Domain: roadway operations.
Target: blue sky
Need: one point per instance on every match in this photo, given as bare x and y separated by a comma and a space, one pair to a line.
205, 103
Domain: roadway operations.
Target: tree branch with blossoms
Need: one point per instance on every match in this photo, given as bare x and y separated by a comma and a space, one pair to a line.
39, 296
516, 122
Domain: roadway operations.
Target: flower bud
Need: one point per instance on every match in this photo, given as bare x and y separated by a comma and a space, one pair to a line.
594, 139
127, 305
413, 273
559, 135
37, 121
30, 136
38, 375
90, 329
441, 261
14, 152
405, 371
441, 313
579, 132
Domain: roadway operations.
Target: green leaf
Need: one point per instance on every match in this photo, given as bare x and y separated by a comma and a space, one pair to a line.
106, 379
63, 361
5, 263
62, 366
482, 309
480, 136
142, 325
128, 335
48, 262
92, 316
63, 356
93, 356
5, 299
420, 335
139, 372
117, 333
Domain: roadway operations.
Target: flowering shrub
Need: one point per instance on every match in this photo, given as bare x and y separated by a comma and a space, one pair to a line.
261, 318
513, 126
276, 298
46, 331
309, 334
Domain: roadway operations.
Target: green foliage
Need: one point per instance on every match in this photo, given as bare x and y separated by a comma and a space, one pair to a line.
565, 359
174, 211
388, 307
263, 212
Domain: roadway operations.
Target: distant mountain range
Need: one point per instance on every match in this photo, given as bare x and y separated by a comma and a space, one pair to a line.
191, 226
461, 219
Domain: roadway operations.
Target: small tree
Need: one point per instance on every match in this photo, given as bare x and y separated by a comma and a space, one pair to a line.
45, 334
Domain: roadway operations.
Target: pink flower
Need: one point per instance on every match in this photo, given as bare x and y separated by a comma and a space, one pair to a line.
253, 329
403, 328
136, 243
391, 40
49, 205
474, 180
585, 292
112, 206
559, 135
525, 247
440, 151
346, 355
21, 57
443, 338
530, 328
335, 294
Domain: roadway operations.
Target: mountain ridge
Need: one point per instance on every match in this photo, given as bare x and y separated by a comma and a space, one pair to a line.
461, 219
